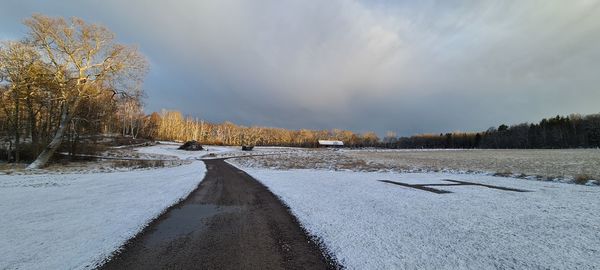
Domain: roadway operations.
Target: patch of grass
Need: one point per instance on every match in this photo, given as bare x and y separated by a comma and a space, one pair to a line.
582, 179
139, 164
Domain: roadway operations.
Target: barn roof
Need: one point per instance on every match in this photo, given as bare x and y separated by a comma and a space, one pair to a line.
330, 142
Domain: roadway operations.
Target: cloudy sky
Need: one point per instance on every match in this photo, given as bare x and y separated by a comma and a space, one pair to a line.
404, 66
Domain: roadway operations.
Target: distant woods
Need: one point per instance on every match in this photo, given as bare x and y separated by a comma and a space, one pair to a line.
572, 131
172, 125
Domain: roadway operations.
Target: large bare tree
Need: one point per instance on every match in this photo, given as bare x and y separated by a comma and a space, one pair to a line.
85, 60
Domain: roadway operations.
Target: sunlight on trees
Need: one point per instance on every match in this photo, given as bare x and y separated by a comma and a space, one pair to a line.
172, 125
68, 75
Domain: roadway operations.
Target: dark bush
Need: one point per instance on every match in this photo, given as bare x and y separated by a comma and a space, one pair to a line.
27, 153
191, 146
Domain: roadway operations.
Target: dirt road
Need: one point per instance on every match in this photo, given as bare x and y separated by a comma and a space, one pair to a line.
230, 222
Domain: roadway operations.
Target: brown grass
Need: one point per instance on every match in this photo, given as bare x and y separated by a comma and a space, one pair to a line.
582, 179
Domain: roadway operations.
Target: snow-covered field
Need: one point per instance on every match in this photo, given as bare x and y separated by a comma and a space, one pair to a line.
546, 163
77, 220
564, 165
74, 221
369, 224
170, 149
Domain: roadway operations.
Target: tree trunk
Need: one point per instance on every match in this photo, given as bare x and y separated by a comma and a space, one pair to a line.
32, 124
48, 152
132, 127
17, 127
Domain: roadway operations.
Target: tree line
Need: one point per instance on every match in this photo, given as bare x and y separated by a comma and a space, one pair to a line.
573, 131
172, 125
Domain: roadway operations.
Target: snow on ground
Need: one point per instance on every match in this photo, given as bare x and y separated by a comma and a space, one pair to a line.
170, 149
74, 221
559, 164
369, 224
165, 149
294, 158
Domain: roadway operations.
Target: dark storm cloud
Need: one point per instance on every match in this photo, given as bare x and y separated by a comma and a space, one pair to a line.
410, 67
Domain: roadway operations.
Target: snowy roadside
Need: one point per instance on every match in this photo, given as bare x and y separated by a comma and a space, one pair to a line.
75, 221
367, 224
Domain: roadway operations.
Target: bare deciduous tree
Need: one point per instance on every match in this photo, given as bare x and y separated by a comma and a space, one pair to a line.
85, 61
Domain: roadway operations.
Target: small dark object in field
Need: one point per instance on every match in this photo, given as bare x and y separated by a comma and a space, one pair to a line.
191, 146
582, 179
247, 147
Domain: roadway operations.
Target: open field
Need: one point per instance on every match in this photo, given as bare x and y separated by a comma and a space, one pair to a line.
422, 218
369, 224
563, 164
418, 219
551, 163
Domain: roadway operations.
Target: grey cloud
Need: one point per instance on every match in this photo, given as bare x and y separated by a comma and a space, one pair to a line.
430, 66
